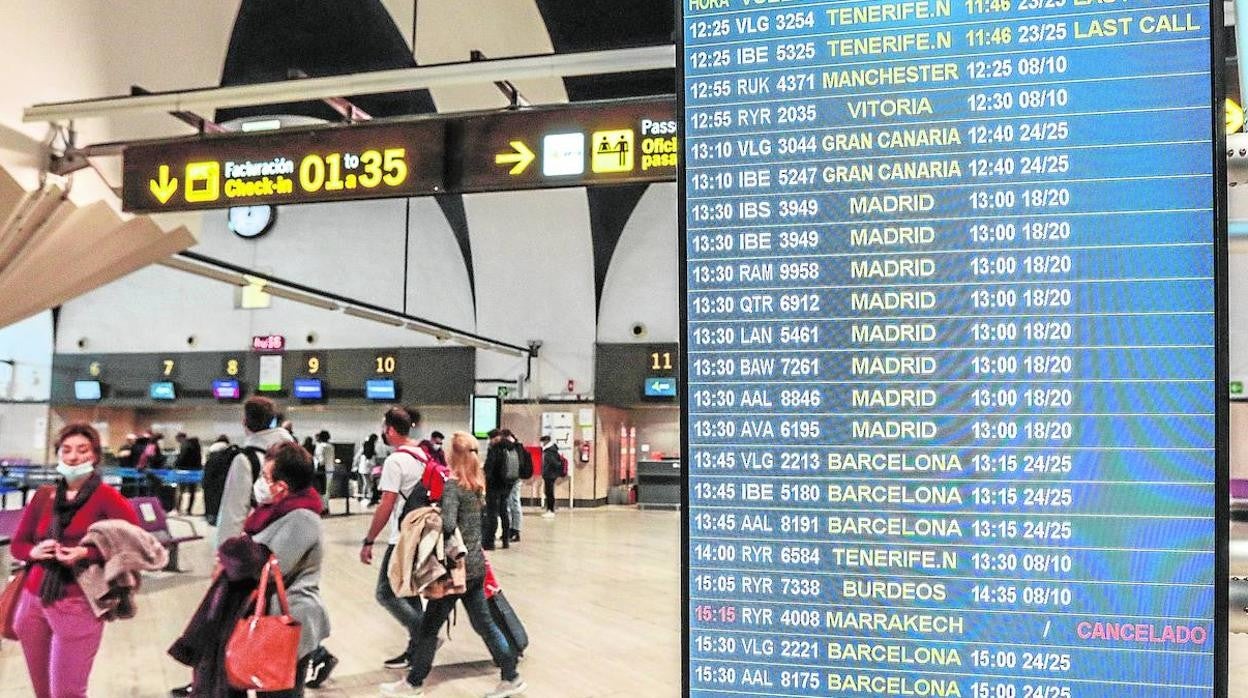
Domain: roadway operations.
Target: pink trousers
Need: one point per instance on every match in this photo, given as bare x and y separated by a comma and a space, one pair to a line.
60, 642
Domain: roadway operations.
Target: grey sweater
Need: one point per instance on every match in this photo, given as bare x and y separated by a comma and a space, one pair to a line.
296, 540
462, 509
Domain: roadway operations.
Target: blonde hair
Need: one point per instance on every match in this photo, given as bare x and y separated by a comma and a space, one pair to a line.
465, 462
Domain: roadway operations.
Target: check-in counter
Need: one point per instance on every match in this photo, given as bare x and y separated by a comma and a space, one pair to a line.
658, 484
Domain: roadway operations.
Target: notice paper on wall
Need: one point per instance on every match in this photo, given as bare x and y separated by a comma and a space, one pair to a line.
270, 373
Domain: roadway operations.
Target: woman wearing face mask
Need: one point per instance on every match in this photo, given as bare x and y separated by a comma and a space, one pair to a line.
287, 523
462, 502
59, 632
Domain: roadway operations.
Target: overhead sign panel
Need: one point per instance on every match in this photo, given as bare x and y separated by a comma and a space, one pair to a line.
571, 145
954, 349
310, 165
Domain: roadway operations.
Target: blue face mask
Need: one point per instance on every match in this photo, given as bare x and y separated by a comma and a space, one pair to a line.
75, 472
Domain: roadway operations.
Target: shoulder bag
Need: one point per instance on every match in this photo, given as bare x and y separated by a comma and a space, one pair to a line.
262, 651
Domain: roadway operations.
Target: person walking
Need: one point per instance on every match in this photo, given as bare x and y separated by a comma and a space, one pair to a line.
400, 473
462, 503
259, 414
287, 522
58, 630
285, 526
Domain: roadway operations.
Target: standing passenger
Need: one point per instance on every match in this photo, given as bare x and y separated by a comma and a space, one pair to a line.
513, 498
552, 470
190, 457
323, 461
364, 466
461, 508
58, 629
497, 490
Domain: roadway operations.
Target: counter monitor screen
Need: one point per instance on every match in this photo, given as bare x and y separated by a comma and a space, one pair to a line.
87, 390
162, 390
380, 389
308, 389
953, 339
660, 387
226, 389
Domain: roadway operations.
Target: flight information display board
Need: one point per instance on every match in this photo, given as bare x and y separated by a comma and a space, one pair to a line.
954, 349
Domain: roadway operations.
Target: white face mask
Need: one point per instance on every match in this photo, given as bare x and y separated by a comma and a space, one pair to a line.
74, 472
261, 491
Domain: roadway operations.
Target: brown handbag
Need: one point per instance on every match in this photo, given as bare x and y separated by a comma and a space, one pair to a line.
12, 593
9, 599
263, 650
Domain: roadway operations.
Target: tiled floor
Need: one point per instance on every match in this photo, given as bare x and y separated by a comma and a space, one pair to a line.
598, 591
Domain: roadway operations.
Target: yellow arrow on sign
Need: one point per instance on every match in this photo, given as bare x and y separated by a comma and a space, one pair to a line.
522, 158
1234, 116
165, 188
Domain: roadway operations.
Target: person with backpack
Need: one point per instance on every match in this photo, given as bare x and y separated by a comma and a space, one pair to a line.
553, 466
259, 414
514, 509
461, 510
502, 471
401, 474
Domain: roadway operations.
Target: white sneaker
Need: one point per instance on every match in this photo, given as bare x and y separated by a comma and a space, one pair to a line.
504, 689
402, 689
548, 515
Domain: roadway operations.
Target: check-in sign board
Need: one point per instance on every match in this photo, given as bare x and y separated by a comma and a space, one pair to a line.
571, 145
334, 163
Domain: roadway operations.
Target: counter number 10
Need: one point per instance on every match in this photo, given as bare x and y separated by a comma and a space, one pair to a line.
385, 364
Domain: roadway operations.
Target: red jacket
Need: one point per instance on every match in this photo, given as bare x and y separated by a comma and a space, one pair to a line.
105, 503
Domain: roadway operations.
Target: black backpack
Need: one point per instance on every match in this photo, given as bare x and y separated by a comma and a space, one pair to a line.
217, 470
526, 462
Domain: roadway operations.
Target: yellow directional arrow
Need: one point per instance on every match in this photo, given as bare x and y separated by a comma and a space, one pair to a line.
164, 188
521, 158
1234, 116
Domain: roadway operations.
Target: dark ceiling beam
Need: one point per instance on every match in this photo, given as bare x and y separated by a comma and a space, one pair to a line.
190, 118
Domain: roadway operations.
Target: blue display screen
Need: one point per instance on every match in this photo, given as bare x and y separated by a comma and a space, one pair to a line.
87, 390
162, 390
379, 389
226, 389
308, 389
951, 348
660, 387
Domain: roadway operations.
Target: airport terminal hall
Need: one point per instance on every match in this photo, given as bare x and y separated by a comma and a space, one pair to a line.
623, 349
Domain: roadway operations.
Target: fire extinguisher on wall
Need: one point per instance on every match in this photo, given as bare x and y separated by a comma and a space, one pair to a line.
584, 452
